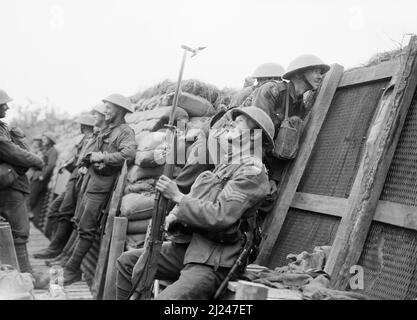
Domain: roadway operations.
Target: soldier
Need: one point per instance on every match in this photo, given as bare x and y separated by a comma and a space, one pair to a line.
114, 144
265, 72
99, 124
218, 204
304, 73
41, 179
16, 159
69, 198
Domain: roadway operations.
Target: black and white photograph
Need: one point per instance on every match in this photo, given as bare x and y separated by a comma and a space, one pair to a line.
221, 152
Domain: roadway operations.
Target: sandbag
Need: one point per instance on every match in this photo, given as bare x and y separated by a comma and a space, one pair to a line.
140, 136
147, 125
160, 113
151, 158
197, 122
151, 140
136, 173
194, 105
135, 241
15, 285
147, 185
137, 206
151, 150
137, 226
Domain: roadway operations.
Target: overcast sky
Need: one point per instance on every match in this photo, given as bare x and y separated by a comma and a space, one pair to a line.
77, 52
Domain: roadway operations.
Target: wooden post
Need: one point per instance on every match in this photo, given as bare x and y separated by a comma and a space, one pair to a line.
117, 246
295, 170
250, 291
378, 153
99, 276
7, 250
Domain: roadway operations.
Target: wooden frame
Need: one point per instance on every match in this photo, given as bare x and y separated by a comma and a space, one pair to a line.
378, 152
374, 73
388, 212
363, 205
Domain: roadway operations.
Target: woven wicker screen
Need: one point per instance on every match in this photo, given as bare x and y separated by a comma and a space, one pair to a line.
336, 156
331, 169
302, 231
389, 259
401, 183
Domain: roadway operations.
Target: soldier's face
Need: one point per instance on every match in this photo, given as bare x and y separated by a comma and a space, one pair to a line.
239, 125
98, 119
45, 141
3, 110
244, 123
314, 77
110, 112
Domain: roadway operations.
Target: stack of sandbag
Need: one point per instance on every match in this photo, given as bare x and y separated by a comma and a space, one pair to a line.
194, 105
157, 94
137, 208
155, 119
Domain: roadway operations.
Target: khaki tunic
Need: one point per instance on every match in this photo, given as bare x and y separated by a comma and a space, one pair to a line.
217, 202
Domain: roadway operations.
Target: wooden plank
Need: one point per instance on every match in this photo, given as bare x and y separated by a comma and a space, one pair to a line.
273, 293
321, 204
7, 250
250, 291
100, 272
396, 214
117, 246
378, 152
295, 170
388, 212
373, 73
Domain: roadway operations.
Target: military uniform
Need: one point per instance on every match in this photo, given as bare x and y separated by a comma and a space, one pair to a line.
117, 143
63, 207
270, 97
38, 187
67, 207
213, 210
13, 198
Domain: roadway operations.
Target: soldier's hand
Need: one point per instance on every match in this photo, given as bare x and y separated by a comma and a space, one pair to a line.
96, 157
169, 189
170, 219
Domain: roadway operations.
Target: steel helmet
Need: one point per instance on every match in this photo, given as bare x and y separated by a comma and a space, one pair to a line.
260, 117
86, 119
304, 63
100, 108
268, 70
50, 136
120, 100
4, 97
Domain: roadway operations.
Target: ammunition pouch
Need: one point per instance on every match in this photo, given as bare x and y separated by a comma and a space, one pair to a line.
223, 238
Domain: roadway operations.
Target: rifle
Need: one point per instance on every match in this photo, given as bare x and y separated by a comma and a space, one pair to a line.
149, 259
239, 263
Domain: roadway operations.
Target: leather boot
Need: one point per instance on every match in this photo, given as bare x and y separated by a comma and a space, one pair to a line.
61, 260
72, 271
61, 236
41, 280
